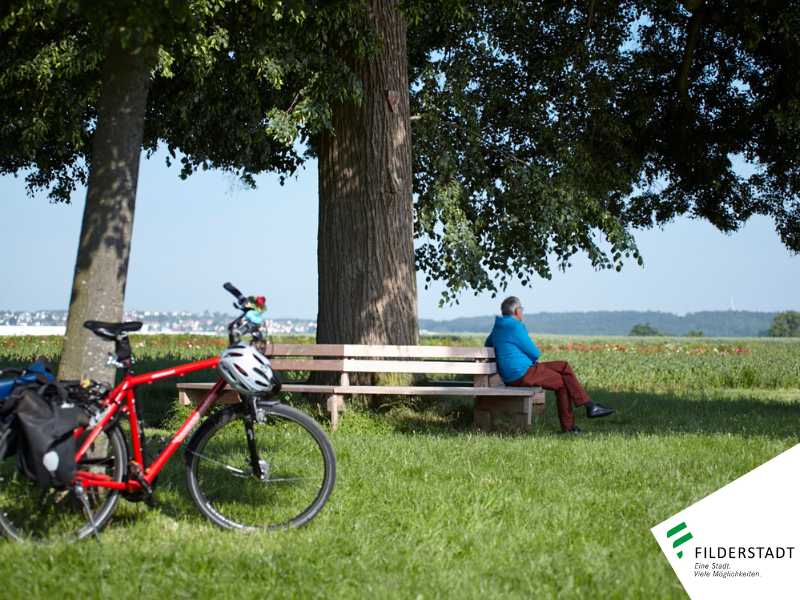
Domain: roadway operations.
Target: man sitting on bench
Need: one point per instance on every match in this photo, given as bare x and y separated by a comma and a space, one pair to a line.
517, 364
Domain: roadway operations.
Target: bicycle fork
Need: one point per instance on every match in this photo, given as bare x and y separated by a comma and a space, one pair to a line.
254, 415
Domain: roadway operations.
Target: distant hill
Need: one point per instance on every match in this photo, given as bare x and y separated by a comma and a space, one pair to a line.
730, 323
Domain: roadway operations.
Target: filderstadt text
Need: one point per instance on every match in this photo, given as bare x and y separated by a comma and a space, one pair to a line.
744, 552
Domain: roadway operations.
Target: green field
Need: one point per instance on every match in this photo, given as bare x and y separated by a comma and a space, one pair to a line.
427, 506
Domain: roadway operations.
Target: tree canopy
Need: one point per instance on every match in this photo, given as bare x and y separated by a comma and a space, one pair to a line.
646, 330
540, 130
544, 130
234, 84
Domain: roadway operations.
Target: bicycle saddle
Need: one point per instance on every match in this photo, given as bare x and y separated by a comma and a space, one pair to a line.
112, 331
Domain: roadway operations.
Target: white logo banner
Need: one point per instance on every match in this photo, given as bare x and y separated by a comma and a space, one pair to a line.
742, 541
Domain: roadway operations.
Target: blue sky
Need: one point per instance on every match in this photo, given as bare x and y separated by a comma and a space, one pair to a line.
189, 237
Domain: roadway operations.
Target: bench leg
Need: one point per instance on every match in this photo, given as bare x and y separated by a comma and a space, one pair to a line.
487, 407
481, 416
335, 404
523, 418
537, 408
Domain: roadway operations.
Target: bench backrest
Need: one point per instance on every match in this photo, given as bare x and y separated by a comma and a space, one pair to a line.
365, 351
352, 358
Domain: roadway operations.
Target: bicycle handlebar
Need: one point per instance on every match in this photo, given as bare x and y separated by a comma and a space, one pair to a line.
239, 296
241, 325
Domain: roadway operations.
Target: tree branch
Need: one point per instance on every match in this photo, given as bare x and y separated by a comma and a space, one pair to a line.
291, 106
682, 76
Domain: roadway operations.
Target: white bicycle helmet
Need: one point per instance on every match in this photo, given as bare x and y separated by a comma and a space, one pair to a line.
245, 369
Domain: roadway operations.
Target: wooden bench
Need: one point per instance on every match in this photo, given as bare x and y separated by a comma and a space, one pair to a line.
489, 394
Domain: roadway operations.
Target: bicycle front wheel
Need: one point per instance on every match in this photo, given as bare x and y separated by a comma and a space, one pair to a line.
293, 453
30, 513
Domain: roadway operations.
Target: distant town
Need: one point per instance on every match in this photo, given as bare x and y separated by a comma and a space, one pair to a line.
51, 321
729, 323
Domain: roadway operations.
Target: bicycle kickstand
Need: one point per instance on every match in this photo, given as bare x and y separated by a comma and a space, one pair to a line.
81, 494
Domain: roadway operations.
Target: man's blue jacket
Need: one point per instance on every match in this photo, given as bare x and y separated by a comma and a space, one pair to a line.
513, 348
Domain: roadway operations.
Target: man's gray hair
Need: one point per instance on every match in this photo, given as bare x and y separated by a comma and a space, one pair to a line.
509, 305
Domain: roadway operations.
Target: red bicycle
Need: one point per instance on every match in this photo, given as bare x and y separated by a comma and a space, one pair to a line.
254, 465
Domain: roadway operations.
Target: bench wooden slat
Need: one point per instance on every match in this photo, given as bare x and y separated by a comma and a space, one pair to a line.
288, 364
389, 390
422, 390
195, 386
419, 352
195, 395
363, 351
305, 388
433, 366
271, 350
438, 367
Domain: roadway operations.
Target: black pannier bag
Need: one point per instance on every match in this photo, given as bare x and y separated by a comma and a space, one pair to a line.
47, 421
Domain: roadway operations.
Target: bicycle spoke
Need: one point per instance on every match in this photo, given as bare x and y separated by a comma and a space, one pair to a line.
298, 469
221, 464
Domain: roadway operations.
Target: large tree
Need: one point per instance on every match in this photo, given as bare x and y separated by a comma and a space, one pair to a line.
98, 288
367, 279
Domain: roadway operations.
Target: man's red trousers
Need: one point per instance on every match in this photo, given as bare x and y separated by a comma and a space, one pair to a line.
556, 376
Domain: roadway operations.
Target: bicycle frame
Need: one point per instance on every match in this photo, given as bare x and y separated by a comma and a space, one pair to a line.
121, 398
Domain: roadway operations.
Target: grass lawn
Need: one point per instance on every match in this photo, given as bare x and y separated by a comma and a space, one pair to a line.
427, 506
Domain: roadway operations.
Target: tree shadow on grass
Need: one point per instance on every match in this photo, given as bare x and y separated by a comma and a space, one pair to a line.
748, 413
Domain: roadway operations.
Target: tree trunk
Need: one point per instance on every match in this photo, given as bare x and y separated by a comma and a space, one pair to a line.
98, 289
367, 280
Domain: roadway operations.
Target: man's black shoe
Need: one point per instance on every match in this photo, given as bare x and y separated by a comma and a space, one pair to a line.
573, 431
598, 411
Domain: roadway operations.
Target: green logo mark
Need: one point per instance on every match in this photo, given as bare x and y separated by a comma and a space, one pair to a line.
684, 538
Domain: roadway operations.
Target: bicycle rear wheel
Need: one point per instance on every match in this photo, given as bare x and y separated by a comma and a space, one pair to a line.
29, 513
294, 454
